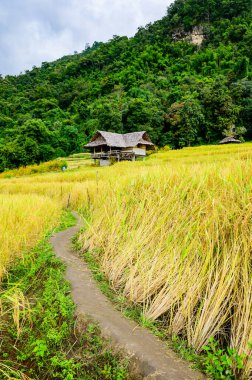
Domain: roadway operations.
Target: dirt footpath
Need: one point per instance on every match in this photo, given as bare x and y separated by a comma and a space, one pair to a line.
150, 357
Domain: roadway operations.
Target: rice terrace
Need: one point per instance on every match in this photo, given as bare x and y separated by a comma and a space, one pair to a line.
171, 234
126, 190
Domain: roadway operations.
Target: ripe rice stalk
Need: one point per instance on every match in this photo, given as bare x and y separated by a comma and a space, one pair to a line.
15, 302
10, 373
23, 220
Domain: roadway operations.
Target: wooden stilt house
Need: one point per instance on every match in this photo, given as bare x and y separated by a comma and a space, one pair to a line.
107, 147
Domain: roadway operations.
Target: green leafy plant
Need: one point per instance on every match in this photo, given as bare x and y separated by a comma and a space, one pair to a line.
222, 363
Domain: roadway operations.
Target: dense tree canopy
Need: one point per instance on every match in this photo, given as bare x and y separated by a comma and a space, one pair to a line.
159, 81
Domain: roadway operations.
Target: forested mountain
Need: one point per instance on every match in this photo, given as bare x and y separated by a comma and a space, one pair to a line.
186, 79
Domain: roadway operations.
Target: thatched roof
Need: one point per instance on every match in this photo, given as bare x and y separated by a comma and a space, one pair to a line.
230, 140
118, 140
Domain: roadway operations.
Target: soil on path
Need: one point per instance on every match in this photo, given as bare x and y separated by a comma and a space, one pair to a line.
149, 357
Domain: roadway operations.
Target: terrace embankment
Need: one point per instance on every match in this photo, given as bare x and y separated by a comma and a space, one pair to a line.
150, 357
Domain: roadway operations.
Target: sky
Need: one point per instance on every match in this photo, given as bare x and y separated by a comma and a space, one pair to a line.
36, 31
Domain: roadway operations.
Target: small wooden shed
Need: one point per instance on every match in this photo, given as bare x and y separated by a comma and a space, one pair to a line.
107, 146
230, 140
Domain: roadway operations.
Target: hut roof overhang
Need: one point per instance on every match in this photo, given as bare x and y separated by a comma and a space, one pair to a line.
230, 140
118, 140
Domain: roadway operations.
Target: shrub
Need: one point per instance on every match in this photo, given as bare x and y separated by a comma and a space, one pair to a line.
50, 166
223, 363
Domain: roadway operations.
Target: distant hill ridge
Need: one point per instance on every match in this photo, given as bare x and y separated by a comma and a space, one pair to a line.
186, 79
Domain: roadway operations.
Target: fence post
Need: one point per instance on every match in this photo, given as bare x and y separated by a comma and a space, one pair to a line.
68, 200
88, 199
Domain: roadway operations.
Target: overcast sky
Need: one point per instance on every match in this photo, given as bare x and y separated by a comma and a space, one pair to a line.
33, 31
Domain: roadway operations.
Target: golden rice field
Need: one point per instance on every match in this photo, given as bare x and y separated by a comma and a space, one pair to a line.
23, 220
172, 233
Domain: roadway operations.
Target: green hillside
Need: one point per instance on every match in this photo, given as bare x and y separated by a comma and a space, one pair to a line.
181, 92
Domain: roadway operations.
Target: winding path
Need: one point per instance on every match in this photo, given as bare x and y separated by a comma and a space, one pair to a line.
149, 357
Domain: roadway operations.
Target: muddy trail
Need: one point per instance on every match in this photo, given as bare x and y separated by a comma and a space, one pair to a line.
149, 358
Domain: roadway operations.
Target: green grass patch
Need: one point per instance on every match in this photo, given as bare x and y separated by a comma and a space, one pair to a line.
67, 220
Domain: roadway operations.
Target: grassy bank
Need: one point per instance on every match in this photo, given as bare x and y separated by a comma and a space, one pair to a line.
41, 337
46, 167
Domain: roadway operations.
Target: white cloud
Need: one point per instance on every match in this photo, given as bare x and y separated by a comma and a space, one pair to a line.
33, 31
